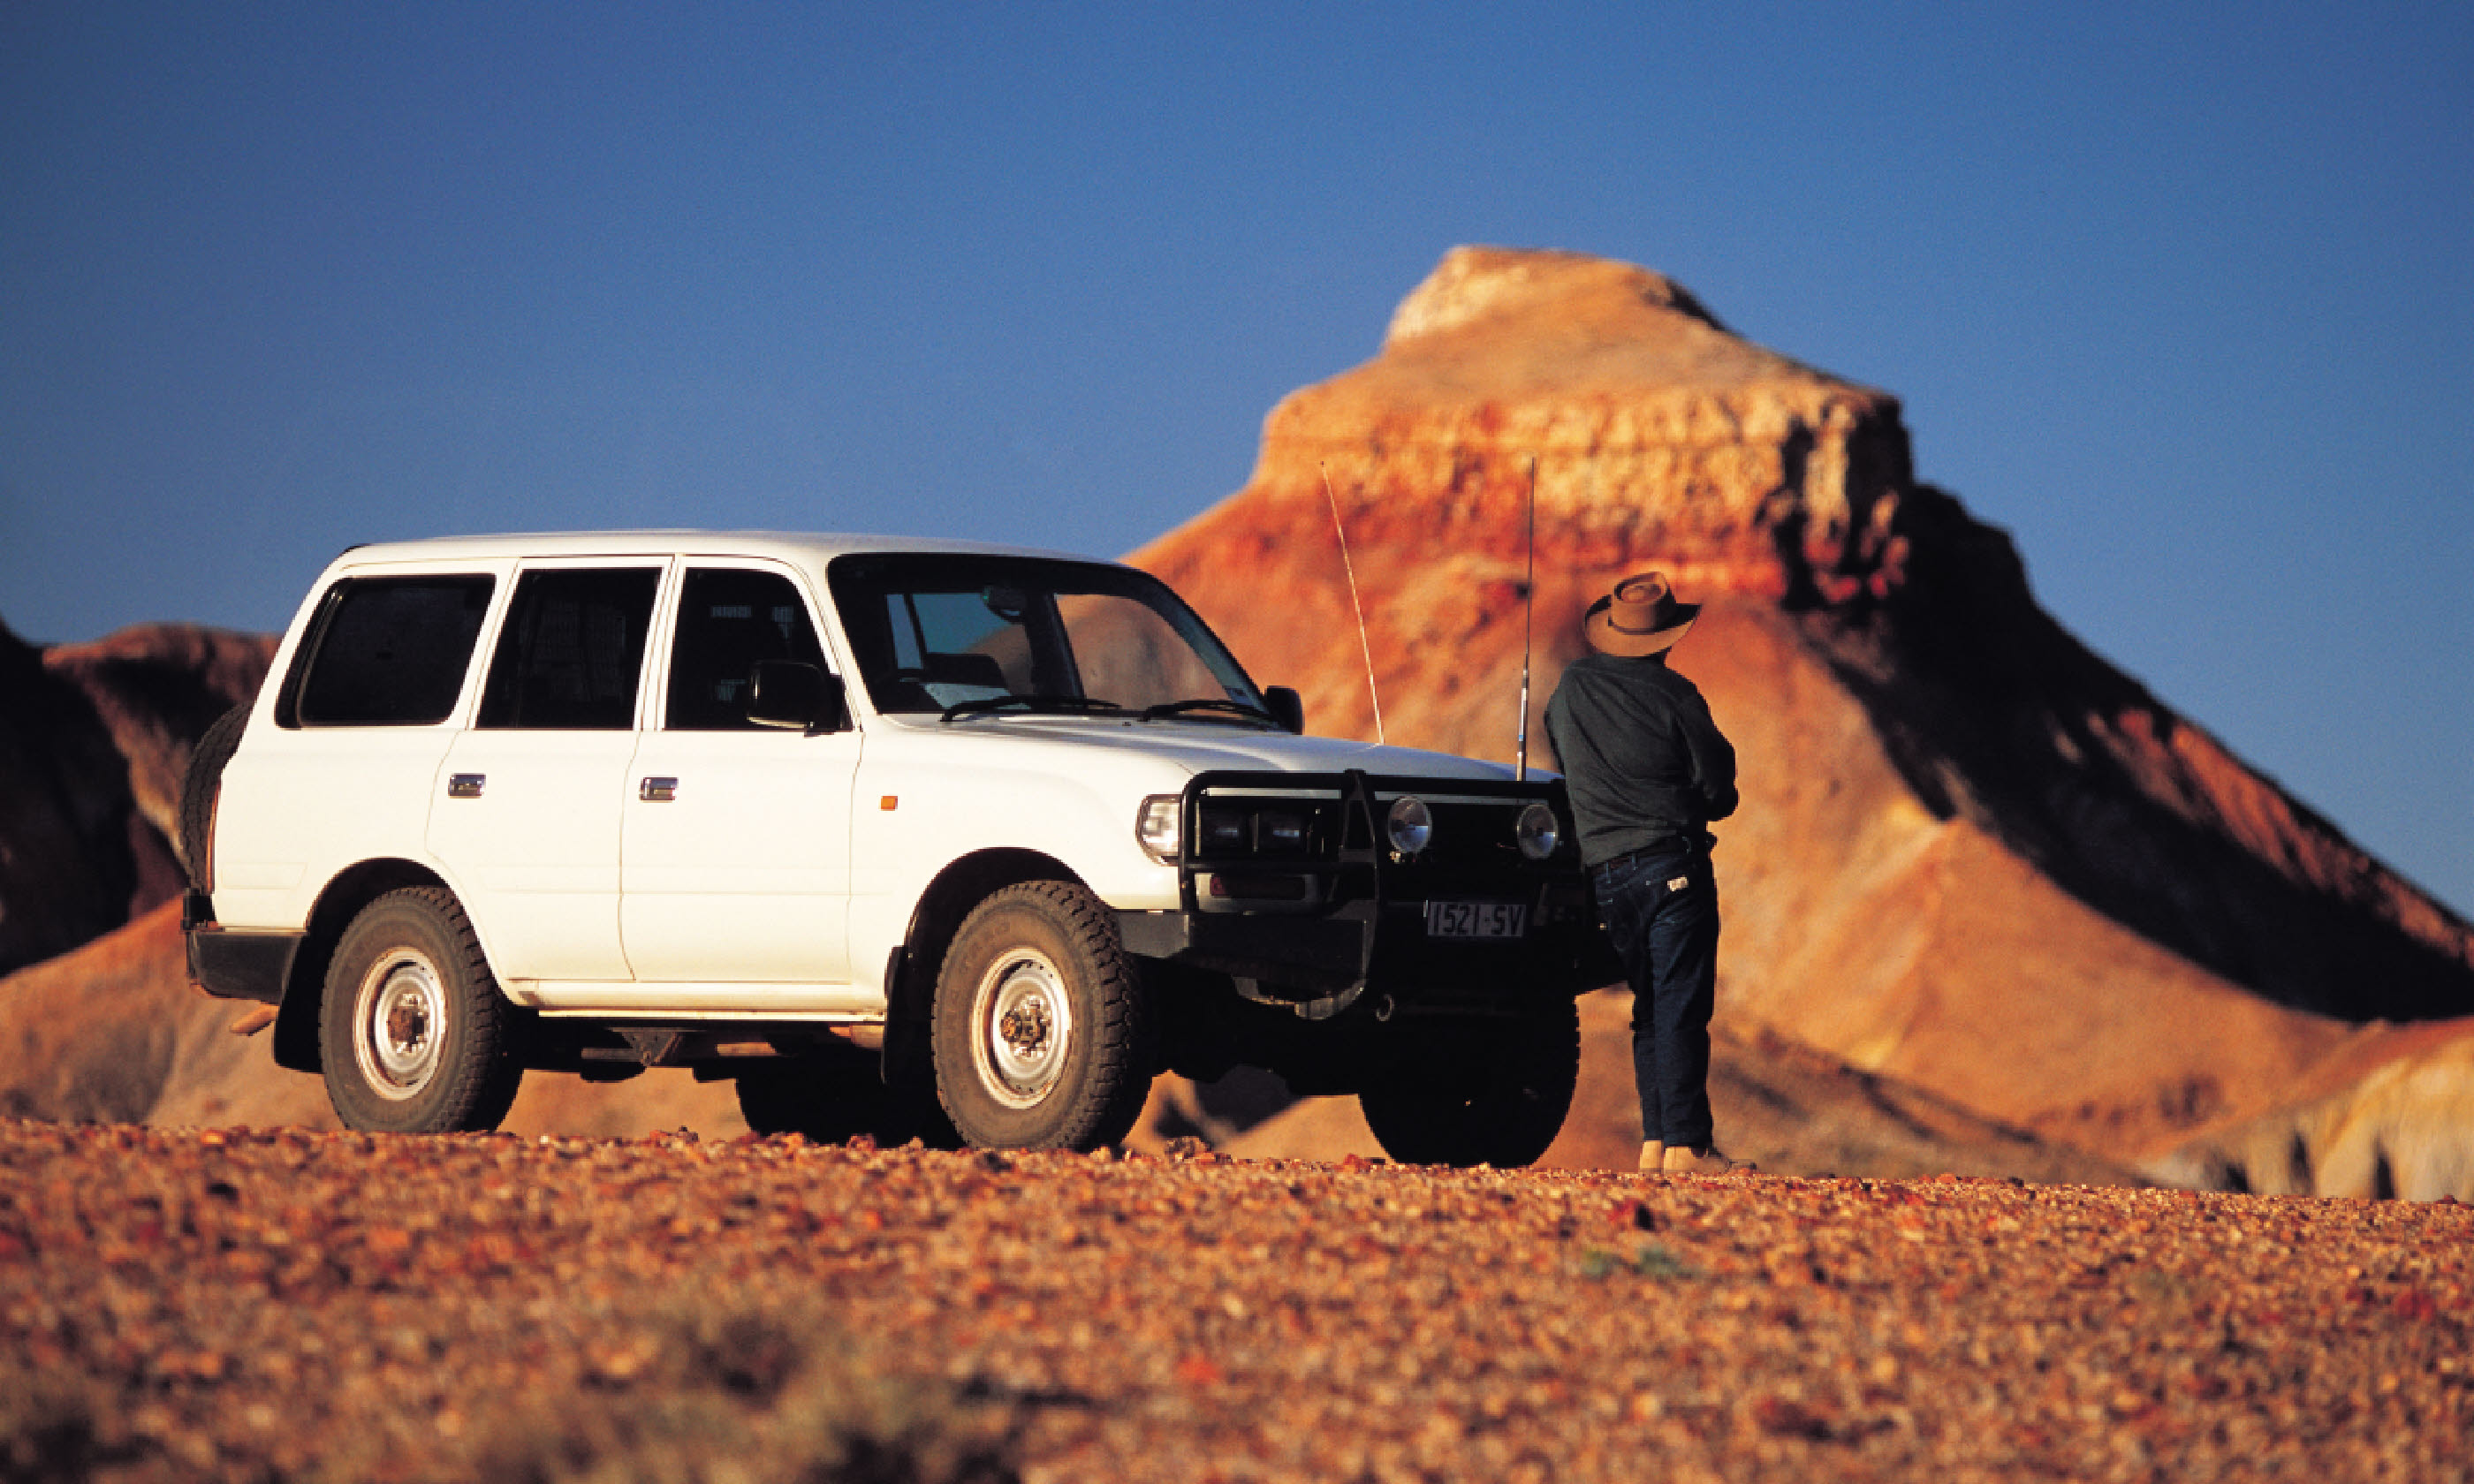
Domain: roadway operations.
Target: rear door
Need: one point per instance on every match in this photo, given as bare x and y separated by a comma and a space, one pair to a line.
736, 837
528, 809
361, 719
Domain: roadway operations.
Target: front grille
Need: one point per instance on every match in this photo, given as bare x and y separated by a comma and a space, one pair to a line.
1474, 834
1244, 825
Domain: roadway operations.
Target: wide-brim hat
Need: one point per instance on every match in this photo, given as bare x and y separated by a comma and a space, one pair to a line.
1639, 617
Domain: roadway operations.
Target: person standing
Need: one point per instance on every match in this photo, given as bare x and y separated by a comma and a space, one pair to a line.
1647, 770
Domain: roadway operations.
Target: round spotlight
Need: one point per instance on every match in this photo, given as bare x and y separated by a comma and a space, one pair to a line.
1411, 824
1538, 831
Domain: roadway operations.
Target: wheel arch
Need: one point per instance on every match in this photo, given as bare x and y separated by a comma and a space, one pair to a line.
963, 884
296, 1019
911, 975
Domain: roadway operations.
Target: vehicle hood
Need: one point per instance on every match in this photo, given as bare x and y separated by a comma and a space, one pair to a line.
1192, 747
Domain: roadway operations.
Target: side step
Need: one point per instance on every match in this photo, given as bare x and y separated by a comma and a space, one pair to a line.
618, 1053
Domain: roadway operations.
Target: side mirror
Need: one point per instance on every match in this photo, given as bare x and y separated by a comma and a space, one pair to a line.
791, 696
1287, 707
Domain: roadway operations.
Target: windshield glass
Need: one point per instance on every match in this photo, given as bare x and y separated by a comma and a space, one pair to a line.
937, 631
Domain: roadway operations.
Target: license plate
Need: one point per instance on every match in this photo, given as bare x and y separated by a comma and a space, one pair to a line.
1476, 918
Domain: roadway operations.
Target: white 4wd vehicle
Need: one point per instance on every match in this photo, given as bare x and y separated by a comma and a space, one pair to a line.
905, 837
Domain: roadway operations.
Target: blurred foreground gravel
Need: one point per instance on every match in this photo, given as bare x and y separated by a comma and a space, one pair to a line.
296, 1304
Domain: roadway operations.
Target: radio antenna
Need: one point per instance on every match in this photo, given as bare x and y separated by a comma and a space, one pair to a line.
1528, 608
1355, 607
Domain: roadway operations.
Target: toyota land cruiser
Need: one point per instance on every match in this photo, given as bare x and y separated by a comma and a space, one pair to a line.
904, 837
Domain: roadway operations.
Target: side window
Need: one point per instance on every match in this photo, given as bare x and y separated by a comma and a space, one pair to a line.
729, 619
932, 648
971, 645
572, 651
389, 652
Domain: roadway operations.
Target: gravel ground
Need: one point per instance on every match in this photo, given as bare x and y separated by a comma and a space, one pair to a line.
299, 1305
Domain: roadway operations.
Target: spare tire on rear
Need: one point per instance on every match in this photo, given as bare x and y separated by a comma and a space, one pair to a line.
199, 788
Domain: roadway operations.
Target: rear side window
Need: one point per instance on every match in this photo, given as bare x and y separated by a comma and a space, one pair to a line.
391, 650
572, 651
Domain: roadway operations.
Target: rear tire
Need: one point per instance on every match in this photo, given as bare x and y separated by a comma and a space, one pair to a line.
1496, 1095
415, 1035
200, 787
1041, 1038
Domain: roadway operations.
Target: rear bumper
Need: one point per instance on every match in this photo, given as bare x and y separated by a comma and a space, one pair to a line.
235, 964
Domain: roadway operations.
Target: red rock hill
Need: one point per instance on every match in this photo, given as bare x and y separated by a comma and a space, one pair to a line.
1972, 856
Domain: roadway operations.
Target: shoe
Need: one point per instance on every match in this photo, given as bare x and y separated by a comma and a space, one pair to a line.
1652, 1158
1682, 1160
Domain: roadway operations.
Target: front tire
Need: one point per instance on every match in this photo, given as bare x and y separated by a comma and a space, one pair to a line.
1041, 1038
415, 1035
1493, 1096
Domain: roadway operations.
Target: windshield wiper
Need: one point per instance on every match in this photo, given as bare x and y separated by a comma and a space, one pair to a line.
1242, 709
980, 705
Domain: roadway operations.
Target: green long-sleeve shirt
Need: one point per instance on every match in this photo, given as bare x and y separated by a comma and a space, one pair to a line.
1640, 754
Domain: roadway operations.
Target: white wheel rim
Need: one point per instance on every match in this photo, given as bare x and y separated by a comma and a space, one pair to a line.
1021, 1024
399, 1024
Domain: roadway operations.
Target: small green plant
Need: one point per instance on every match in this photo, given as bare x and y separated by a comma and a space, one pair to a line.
1651, 1259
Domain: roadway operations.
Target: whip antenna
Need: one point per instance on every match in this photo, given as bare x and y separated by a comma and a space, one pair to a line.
1528, 608
1355, 607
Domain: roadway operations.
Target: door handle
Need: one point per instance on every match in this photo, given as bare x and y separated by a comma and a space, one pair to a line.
465, 785
658, 790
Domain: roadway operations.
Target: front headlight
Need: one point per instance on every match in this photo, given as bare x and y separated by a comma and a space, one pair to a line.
1156, 827
1411, 823
1539, 831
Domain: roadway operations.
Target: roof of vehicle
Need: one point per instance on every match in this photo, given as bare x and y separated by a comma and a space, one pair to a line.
796, 546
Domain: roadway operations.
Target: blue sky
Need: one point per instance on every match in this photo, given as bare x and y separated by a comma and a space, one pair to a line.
2180, 294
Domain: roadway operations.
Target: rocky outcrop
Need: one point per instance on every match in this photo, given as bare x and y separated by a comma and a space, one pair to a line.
2404, 1130
71, 864
1654, 431
94, 739
1971, 856
156, 688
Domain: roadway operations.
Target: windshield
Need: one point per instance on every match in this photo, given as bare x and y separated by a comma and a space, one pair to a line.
934, 632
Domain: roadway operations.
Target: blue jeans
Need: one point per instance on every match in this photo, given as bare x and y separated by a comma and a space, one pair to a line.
1667, 938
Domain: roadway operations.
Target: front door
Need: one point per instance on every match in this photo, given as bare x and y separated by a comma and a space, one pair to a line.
736, 842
